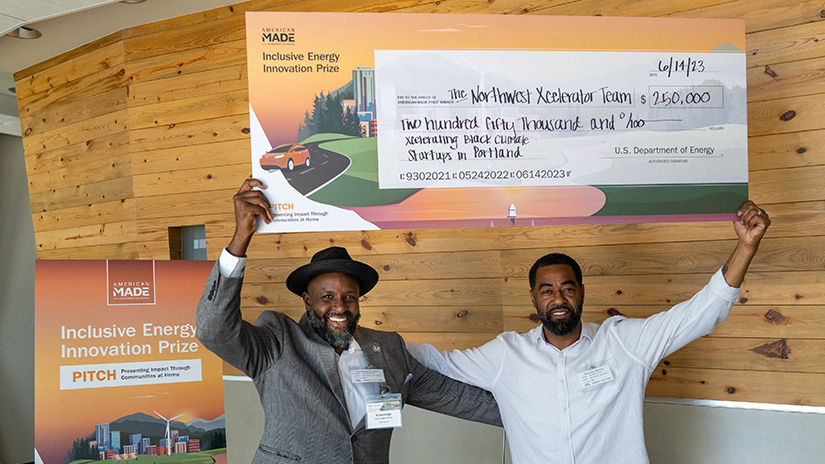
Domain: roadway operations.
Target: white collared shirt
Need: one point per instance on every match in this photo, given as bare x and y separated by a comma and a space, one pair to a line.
353, 358
550, 415
355, 393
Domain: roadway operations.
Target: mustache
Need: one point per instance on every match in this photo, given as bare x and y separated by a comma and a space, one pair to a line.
346, 313
560, 306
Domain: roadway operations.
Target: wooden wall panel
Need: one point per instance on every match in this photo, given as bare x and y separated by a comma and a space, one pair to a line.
797, 149
69, 68
727, 385
367, 242
191, 133
625, 8
95, 171
97, 213
792, 43
216, 154
783, 80
184, 37
785, 288
47, 138
760, 15
210, 17
148, 129
202, 107
39, 159
86, 162
773, 186
407, 267
87, 235
188, 62
117, 250
82, 194
186, 86
757, 354
91, 95
158, 185
779, 321
775, 254
198, 203
792, 114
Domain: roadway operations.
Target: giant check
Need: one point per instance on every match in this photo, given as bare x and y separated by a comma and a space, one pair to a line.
367, 121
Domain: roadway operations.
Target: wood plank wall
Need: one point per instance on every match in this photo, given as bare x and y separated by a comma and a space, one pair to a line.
148, 129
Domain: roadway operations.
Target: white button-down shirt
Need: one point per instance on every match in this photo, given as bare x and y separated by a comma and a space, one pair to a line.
355, 393
353, 358
550, 413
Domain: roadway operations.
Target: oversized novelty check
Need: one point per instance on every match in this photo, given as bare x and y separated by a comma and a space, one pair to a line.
368, 121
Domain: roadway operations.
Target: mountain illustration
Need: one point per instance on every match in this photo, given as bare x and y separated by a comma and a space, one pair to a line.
153, 426
203, 424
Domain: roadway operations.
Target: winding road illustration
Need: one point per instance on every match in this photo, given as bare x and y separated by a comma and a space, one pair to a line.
325, 166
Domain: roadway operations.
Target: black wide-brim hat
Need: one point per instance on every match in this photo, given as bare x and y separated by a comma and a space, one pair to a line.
332, 259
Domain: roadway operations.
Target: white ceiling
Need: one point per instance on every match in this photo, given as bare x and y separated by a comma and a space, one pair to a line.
68, 24
14, 14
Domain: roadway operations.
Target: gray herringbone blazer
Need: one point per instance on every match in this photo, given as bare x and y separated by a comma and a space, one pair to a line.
296, 374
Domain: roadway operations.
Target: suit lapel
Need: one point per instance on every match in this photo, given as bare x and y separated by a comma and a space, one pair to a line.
372, 349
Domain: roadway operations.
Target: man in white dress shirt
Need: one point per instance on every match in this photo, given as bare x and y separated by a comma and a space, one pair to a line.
573, 392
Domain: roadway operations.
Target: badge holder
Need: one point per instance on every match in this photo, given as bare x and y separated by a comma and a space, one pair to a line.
384, 409
594, 377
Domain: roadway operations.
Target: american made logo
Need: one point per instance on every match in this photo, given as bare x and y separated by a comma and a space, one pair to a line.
278, 35
130, 282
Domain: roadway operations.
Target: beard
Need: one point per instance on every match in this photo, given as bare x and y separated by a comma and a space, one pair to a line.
320, 324
564, 326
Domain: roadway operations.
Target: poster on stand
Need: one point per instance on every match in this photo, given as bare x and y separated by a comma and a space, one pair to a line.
119, 373
366, 121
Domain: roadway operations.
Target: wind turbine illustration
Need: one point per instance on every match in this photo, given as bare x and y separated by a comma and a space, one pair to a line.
168, 444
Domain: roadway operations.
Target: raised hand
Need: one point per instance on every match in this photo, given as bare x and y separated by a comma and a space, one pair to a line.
249, 205
752, 224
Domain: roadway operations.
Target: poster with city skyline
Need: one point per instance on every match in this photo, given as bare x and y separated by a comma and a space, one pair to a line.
363, 121
119, 373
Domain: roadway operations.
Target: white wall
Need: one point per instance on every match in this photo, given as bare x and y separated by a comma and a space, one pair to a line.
17, 255
681, 434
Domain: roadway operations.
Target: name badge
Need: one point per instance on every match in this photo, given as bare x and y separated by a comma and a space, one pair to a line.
595, 376
368, 376
384, 411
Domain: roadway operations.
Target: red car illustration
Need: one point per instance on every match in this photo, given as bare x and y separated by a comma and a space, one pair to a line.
285, 156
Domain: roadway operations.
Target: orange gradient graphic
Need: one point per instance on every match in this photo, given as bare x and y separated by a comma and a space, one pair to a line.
464, 204
73, 295
280, 100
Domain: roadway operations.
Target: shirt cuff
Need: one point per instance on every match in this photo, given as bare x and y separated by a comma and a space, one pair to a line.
230, 265
720, 287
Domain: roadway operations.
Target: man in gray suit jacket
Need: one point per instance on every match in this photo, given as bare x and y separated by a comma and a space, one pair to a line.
311, 375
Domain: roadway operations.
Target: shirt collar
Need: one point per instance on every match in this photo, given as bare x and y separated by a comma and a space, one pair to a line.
588, 332
353, 346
